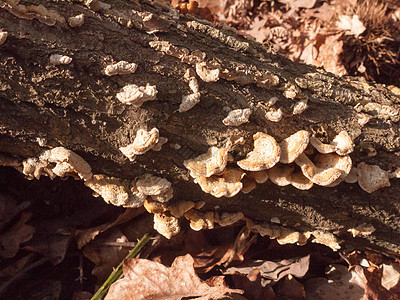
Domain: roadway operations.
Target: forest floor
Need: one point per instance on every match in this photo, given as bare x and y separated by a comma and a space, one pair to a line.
52, 246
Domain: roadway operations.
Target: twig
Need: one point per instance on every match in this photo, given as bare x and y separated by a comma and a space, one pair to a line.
102, 291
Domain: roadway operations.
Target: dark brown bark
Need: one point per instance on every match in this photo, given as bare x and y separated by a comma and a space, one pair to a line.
74, 105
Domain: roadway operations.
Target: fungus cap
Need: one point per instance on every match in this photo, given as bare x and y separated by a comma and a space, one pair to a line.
153, 185
320, 176
57, 59
258, 176
301, 182
372, 177
120, 68
76, 21
341, 144
207, 164
249, 184
226, 185
237, 117
265, 155
228, 219
281, 174
179, 209
167, 226
293, 146
143, 142
3, 37
189, 101
207, 74
333, 160
116, 191
132, 94
274, 115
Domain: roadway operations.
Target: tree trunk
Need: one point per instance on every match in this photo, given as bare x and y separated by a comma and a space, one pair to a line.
75, 106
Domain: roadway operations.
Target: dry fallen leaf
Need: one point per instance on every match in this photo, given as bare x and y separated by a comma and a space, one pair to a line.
351, 24
274, 271
145, 279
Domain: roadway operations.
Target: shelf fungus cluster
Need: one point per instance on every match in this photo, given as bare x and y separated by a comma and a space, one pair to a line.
132, 94
285, 164
143, 142
120, 68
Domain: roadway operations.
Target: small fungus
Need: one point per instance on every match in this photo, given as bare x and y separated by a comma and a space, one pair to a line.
154, 206
57, 59
116, 191
179, 209
249, 184
333, 160
265, 155
272, 101
160, 143
341, 144
207, 164
352, 177
153, 185
258, 176
188, 101
167, 226
137, 95
237, 117
301, 182
165, 197
293, 146
76, 21
58, 161
143, 142
199, 221
371, 177
207, 74
121, 67
228, 219
300, 106
326, 238
362, 230
194, 85
226, 185
3, 37
274, 115
281, 174
320, 176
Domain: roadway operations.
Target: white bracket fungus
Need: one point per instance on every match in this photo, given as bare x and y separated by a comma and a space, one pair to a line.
226, 185
300, 106
188, 101
281, 174
265, 155
120, 68
58, 161
332, 160
341, 144
199, 221
3, 37
143, 142
154, 186
319, 175
207, 74
237, 117
228, 219
167, 226
274, 115
116, 191
258, 176
207, 164
57, 59
371, 177
249, 184
76, 21
293, 146
137, 95
299, 181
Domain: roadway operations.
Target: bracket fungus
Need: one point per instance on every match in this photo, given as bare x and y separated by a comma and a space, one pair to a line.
132, 94
3, 37
116, 191
299, 181
341, 144
274, 115
293, 146
189, 101
167, 226
143, 142
333, 160
265, 155
76, 21
199, 221
300, 106
120, 68
237, 117
58, 161
258, 176
319, 175
228, 219
281, 174
207, 164
371, 177
226, 185
206, 73
151, 185
57, 59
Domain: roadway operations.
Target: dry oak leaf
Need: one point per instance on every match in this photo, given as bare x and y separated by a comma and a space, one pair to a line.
145, 279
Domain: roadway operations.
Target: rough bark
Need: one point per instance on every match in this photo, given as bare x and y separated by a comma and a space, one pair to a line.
74, 105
